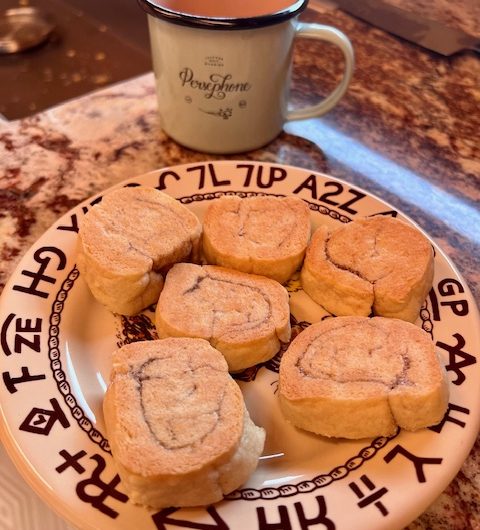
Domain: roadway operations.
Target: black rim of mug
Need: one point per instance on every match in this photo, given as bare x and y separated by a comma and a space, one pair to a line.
184, 19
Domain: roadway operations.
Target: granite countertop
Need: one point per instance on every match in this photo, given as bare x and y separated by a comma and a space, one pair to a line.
407, 131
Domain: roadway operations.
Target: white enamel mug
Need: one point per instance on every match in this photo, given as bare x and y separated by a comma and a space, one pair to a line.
222, 69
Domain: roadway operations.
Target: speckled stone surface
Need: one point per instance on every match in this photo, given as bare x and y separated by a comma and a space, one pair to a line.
408, 130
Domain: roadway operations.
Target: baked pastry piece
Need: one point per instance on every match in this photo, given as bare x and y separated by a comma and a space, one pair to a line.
245, 316
356, 377
127, 242
263, 235
378, 264
177, 425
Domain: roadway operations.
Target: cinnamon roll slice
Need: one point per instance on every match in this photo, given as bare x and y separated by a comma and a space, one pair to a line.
177, 425
378, 264
245, 316
356, 377
263, 235
128, 241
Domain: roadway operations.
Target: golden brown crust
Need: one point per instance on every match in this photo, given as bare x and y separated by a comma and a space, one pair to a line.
262, 235
356, 377
177, 423
128, 239
244, 316
379, 264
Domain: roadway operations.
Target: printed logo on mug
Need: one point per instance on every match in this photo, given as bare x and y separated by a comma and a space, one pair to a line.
222, 69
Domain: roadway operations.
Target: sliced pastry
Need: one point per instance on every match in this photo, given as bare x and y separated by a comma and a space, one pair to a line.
356, 377
245, 316
129, 240
177, 425
263, 235
376, 265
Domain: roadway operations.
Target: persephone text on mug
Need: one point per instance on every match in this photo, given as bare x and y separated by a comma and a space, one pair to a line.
216, 86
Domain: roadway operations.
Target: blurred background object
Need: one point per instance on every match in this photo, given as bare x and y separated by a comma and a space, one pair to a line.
93, 43
411, 26
22, 28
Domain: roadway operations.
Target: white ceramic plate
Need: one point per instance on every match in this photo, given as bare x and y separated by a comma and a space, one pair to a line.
57, 340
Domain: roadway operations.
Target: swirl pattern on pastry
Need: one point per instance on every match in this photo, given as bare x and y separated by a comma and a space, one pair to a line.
356, 377
177, 425
379, 264
128, 240
244, 316
263, 235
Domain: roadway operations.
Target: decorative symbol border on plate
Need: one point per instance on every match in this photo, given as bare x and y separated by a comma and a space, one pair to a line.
320, 481
56, 364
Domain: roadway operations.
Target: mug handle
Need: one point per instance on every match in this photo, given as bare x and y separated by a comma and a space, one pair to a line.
334, 36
